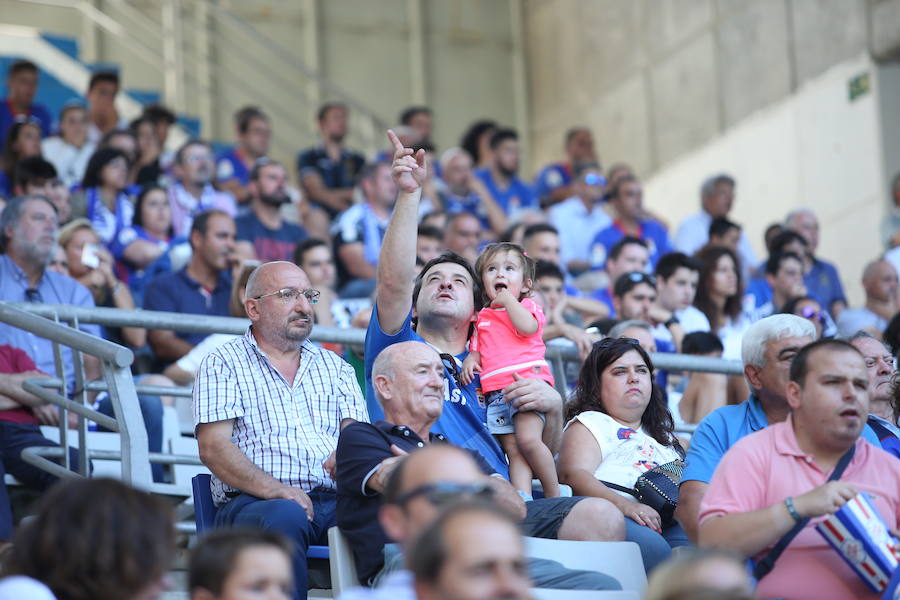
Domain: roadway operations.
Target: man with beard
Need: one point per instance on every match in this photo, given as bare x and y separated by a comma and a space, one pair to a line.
268, 408
511, 193
192, 192
263, 232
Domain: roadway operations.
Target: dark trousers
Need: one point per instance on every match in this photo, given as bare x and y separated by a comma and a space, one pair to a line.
287, 518
15, 437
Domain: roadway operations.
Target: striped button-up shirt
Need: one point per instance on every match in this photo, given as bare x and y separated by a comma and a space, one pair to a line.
286, 429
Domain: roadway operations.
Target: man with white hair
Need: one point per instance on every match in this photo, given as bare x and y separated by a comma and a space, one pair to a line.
882, 405
880, 283
822, 278
268, 408
767, 349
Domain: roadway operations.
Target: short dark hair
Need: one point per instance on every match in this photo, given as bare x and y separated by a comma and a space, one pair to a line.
305, 246
17, 66
536, 229
98, 160
801, 363
773, 263
469, 140
369, 169
671, 262
573, 131
246, 115
157, 113
430, 232
628, 281
324, 108
545, 268
406, 116
179, 154
784, 238
103, 76
33, 170
109, 135
617, 248
216, 553
701, 342
501, 135
260, 163
722, 225
201, 222
449, 256
430, 552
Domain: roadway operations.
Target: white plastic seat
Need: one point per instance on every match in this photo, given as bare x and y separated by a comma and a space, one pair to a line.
621, 560
343, 569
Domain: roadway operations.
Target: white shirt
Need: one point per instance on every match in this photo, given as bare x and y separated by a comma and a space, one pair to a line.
24, 588
70, 162
692, 319
286, 429
190, 362
395, 586
577, 227
626, 454
693, 233
731, 335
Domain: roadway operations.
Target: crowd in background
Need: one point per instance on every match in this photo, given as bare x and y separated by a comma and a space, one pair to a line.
99, 212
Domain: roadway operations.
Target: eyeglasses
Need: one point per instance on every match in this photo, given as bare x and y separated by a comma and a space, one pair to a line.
594, 179
442, 494
809, 312
608, 342
195, 158
33, 295
449, 362
291, 295
639, 277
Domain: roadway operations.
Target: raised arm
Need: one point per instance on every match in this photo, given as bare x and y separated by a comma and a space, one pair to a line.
397, 261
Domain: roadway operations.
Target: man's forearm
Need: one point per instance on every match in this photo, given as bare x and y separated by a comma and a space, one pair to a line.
690, 495
506, 497
747, 533
233, 467
168, 346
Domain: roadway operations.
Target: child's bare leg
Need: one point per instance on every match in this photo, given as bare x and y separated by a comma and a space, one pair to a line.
519, 472
529, 429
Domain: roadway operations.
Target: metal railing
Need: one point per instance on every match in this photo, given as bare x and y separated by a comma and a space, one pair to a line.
127, 420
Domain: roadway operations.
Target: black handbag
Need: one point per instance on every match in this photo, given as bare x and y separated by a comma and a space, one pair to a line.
658, 489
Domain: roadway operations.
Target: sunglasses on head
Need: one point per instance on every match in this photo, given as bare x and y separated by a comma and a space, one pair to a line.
449, 362
442, 494
638, 277
609, 342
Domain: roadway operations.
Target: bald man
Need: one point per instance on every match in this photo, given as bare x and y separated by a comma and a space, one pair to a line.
268, 409
880, 284
408, 380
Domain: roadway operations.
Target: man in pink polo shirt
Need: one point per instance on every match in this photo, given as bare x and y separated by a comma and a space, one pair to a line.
786, 466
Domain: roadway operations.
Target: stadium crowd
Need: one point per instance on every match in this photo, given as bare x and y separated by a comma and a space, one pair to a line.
422, 449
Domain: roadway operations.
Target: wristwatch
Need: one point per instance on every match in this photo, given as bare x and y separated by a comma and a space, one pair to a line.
672, 321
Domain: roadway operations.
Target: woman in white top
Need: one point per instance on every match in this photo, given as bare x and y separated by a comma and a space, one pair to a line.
619, 427
70, 150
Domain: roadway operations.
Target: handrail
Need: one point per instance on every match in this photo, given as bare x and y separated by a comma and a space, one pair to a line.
114, 317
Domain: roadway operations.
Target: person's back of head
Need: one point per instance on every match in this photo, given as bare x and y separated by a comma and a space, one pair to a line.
33, 172
702, 343
96, 539
701, 574
226, 561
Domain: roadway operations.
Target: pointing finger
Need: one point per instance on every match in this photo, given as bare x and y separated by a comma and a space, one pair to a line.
395, 142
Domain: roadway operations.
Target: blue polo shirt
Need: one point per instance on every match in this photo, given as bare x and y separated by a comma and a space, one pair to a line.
824, 284
53, 288
463, 420
230, 165
652, 232
604, 295
515, 198
722, 428
178, 292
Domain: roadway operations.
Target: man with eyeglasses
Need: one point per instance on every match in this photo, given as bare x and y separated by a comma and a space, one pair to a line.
268, 408
192, 191
408, 379
418, 488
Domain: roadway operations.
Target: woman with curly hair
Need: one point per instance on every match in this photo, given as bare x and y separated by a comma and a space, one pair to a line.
619, 427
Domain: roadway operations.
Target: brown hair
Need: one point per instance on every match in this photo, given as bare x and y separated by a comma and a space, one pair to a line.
95, 539
493, 250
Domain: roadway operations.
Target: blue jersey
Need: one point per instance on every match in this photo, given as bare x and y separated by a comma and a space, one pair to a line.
230, 165
464, 416
550, 178
515, 198
652, 232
